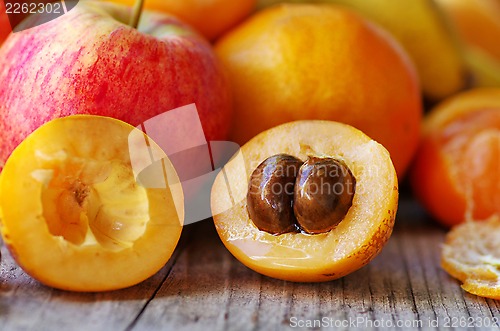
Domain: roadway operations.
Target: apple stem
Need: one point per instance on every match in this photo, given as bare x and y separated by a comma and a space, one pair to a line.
136, 13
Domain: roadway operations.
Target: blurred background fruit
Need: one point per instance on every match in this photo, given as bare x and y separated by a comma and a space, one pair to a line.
484, 68
89, 62
5, 28
303, 61
210, 17
422, 30
456, 174
477, 21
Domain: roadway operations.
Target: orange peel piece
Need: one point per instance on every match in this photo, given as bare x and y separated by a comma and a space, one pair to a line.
471, 254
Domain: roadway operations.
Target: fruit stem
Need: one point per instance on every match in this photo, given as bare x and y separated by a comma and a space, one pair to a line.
136, 13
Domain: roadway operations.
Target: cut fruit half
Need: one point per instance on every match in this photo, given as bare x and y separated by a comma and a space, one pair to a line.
89, 203
299, 256
471, 254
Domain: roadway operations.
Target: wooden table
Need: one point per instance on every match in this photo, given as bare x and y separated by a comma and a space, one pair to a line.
204, 288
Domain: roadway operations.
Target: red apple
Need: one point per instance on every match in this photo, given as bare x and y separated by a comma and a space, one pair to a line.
89, 61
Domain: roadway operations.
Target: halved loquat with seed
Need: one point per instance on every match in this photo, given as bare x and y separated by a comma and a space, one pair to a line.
89, 203
306, 201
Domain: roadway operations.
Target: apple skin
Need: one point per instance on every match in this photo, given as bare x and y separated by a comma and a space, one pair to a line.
89, 61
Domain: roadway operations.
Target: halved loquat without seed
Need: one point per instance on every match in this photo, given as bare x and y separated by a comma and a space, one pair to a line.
84, 207
343, 201
471, 254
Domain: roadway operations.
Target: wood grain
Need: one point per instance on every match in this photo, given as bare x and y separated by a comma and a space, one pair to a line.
204, 288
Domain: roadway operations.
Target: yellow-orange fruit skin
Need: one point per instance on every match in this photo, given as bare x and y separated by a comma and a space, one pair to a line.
310, 61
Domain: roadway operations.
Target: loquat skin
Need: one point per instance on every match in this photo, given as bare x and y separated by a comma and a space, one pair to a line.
274, 83
298, 256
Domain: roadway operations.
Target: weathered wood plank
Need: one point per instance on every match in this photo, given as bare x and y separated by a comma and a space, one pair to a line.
207, 289
26, 304
403, 288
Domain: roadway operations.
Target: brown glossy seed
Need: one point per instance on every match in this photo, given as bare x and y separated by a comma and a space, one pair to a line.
270, 194
323, 194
